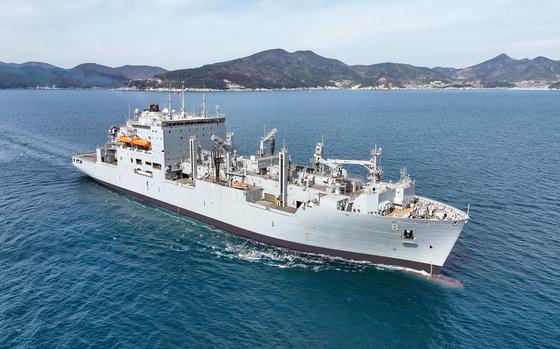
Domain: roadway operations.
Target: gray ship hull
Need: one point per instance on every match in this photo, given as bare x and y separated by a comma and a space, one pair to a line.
379, 260
316, 230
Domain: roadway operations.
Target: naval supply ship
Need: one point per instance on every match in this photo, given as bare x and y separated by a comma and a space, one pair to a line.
187, 162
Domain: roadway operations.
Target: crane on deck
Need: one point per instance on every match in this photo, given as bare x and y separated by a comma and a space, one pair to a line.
268, 138
372, 165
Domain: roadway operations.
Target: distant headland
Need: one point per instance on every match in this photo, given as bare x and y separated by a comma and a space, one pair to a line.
279, 69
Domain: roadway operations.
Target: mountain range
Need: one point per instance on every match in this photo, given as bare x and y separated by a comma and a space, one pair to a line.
87, 75
277, 69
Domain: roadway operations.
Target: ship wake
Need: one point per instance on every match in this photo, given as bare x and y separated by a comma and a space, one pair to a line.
278, 257
285, 259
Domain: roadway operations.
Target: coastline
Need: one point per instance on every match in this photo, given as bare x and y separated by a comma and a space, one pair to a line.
326, 88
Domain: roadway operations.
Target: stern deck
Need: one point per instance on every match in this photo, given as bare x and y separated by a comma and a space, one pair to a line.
91, 157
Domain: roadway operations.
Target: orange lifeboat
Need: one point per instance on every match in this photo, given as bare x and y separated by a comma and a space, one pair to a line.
239, 184
125, 139
142, 143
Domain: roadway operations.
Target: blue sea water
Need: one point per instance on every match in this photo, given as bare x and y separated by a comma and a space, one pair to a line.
82, 266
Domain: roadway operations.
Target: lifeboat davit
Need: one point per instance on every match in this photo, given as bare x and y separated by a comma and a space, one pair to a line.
139, 142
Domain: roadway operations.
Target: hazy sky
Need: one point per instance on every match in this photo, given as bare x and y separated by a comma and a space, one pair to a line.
182, 34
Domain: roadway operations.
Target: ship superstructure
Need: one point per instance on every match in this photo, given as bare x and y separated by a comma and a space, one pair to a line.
188, 163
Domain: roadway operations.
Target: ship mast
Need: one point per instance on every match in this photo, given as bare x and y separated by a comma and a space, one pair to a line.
376, 171
169, 103
204, 113
183, 112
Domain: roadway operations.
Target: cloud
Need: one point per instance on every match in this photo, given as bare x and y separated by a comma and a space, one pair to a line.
178, 34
